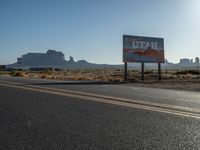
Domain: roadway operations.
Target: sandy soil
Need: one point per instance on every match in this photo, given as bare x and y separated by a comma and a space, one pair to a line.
181, 82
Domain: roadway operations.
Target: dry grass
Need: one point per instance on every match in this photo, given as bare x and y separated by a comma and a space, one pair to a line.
173, 79
106, 75
18, 73
1, 72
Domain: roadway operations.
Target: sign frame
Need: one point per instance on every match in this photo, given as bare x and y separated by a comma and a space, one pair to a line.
143, 49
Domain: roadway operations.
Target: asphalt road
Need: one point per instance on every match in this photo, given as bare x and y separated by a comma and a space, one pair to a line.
165, 96
37, 120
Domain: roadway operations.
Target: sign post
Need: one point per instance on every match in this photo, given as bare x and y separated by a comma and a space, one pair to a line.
142, 71
159, 71
125, 71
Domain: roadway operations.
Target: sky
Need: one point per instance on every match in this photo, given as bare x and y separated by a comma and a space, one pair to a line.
93, 29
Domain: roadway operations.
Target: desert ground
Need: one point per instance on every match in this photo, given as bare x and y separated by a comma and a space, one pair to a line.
171, 79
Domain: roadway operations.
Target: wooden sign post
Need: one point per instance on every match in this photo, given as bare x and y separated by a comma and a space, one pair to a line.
142, 71
159, 71
125, 71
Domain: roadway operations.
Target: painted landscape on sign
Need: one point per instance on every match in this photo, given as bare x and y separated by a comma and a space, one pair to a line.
143, 49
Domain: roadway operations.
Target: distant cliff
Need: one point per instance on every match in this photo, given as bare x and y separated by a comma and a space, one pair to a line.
56, 59
51, 58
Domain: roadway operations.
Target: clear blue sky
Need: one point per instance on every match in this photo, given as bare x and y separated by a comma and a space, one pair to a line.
93, 29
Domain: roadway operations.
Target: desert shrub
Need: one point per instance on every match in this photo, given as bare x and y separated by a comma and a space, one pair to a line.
17, 73
53, 77
115, 74
75, 71
148, 72
116, 80
44, 76
133, 71
109, 79
184, 72
118, 70
1, 73
171, 77
47, 72
81, 78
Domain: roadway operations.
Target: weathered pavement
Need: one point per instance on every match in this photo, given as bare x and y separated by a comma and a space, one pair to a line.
38, 120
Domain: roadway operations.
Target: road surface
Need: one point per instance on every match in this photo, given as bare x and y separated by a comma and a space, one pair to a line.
46, 114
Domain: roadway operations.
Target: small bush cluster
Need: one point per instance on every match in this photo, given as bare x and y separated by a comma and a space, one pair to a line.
1, 73
148, 72
184, 72
47, 72
17, 73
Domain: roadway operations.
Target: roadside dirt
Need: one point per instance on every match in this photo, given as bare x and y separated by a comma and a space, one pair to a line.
188, 85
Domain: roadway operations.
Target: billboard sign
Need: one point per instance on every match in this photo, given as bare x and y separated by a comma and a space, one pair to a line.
143, 49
